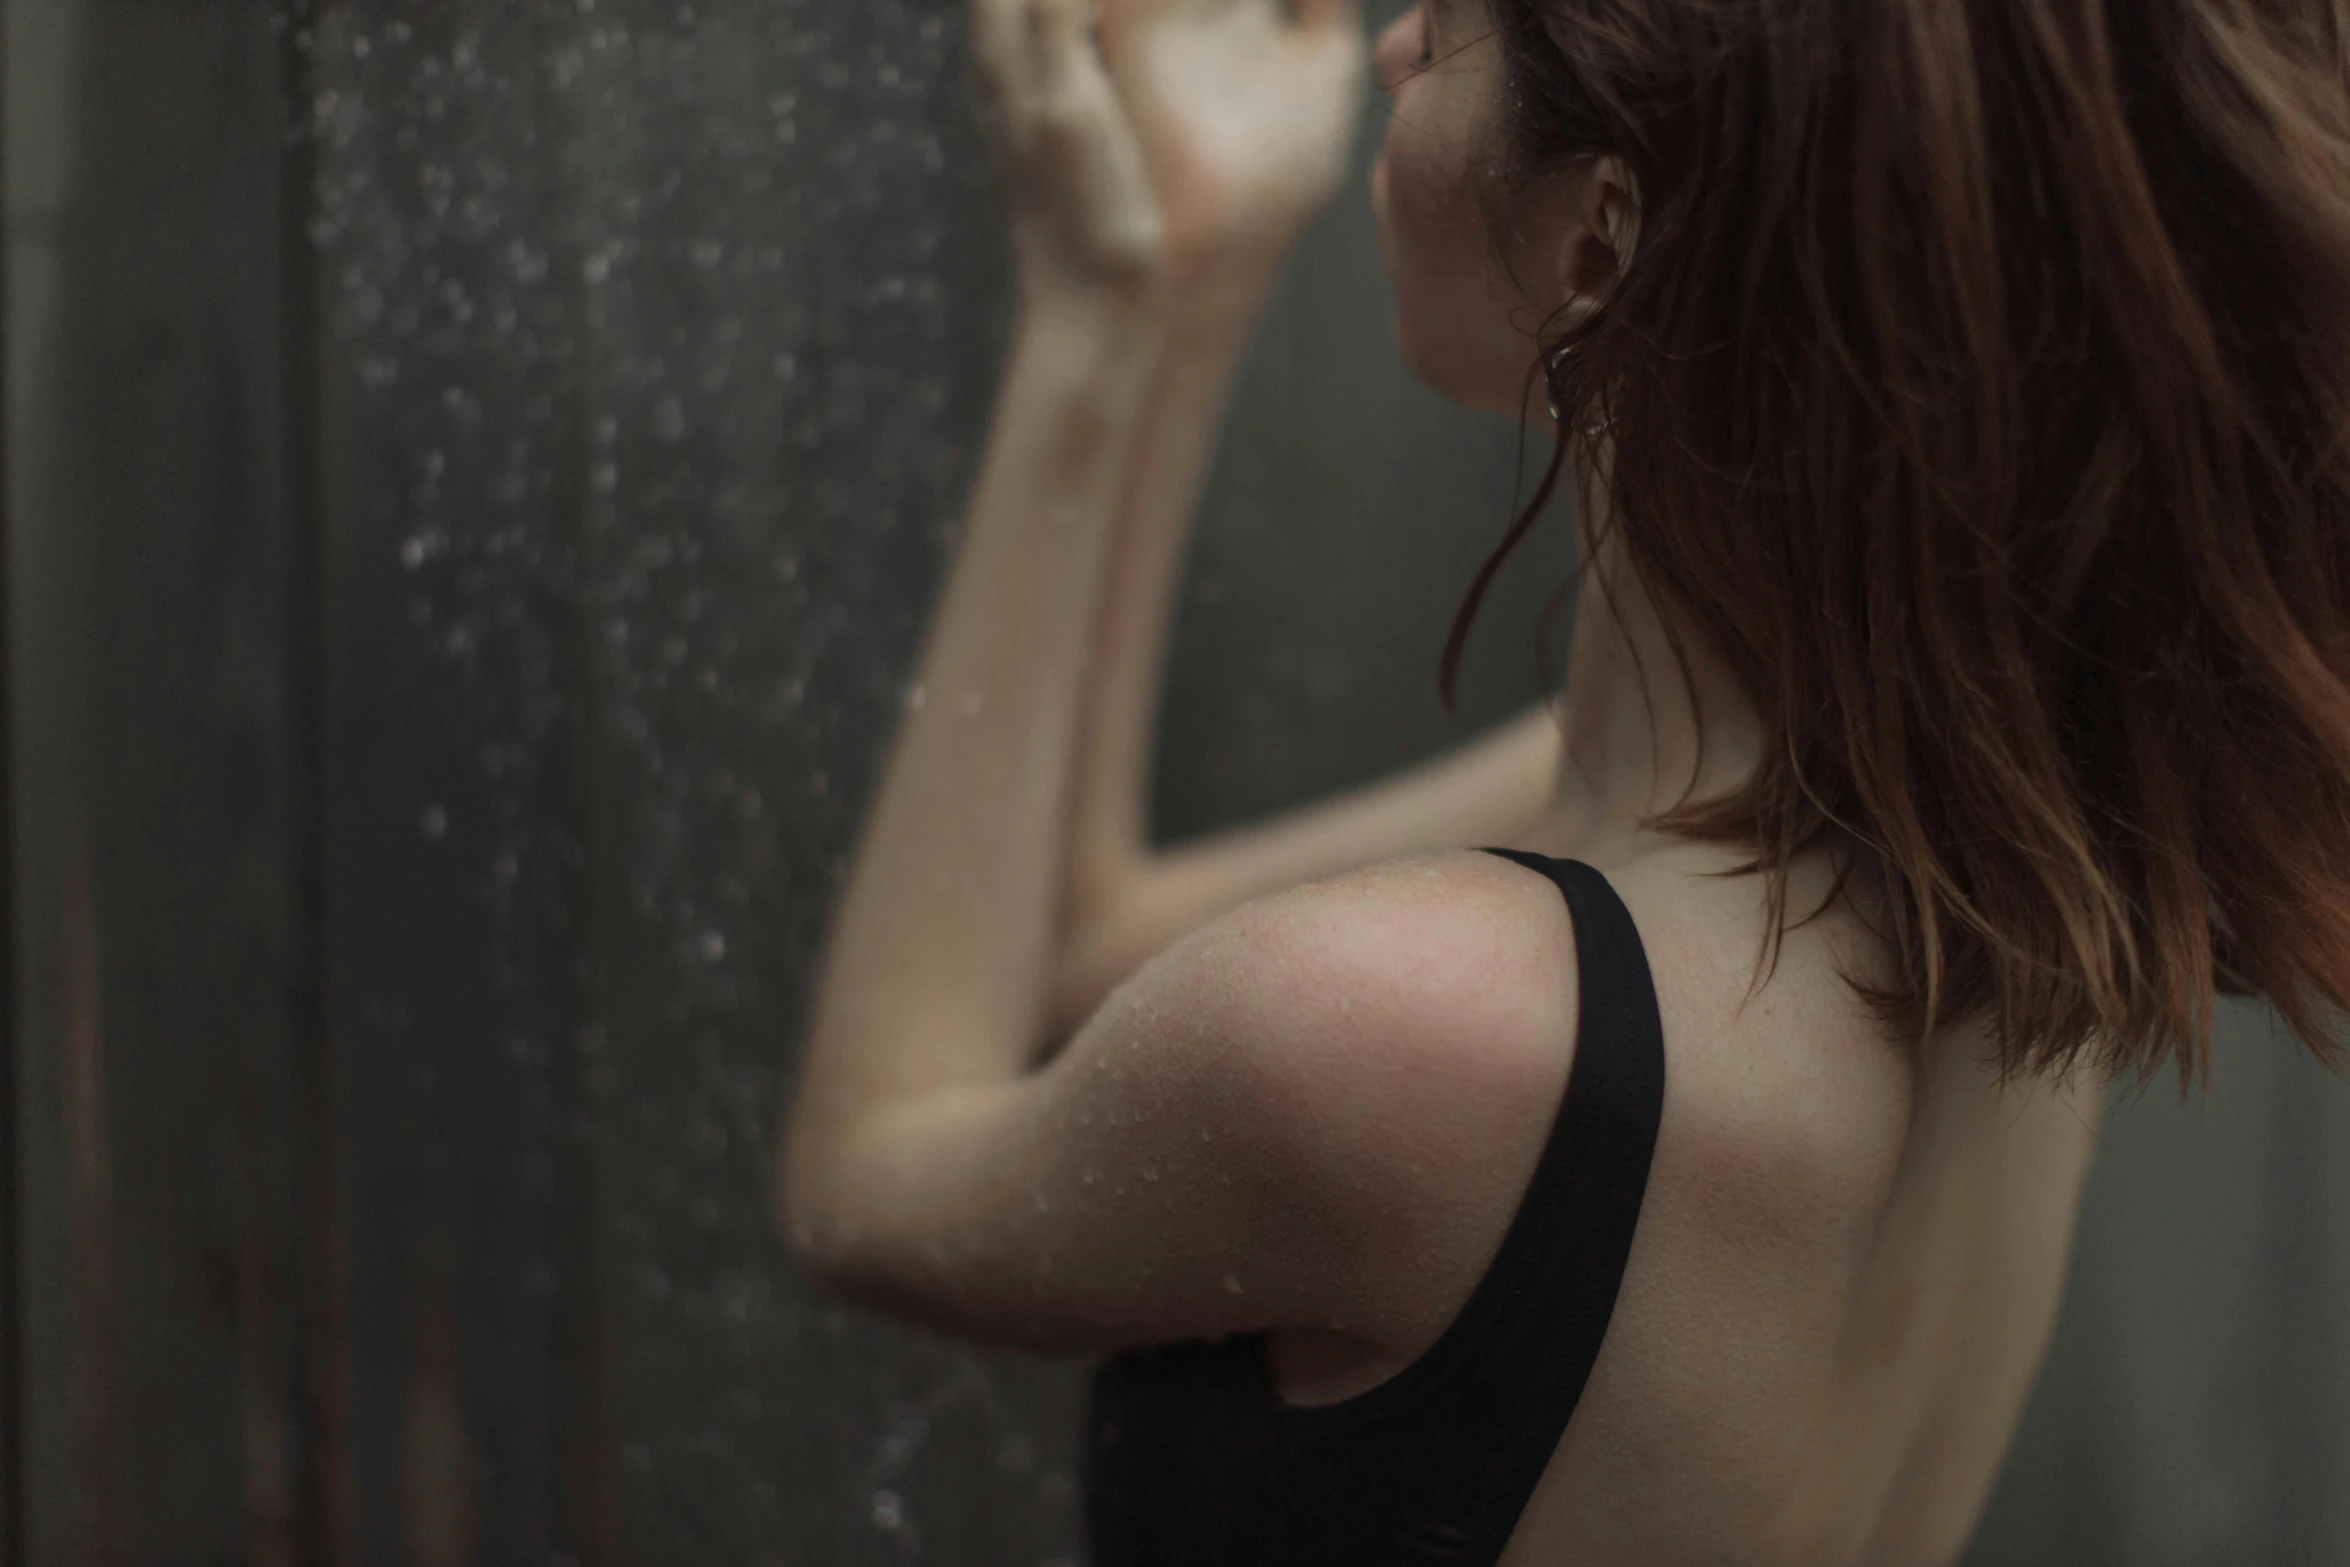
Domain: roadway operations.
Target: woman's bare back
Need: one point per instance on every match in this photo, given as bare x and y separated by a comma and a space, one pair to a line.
1846, 1272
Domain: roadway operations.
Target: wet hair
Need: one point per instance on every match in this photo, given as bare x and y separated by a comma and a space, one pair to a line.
1978, 391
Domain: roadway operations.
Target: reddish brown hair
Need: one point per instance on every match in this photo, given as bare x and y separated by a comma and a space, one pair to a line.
1979, 392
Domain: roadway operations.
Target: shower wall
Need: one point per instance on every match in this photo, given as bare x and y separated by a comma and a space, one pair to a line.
476, 476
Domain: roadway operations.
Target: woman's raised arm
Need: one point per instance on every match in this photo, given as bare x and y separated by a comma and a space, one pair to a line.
1239, 172
1128, 900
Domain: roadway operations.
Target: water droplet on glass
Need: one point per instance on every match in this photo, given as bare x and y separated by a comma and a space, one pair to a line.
711, 944
889, 1510
1231, 1284
433, 822
669, 419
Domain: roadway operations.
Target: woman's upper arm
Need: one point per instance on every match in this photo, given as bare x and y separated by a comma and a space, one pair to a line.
1233, 1141
1487, 791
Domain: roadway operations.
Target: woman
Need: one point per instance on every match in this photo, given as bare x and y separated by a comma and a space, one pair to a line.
1955, 394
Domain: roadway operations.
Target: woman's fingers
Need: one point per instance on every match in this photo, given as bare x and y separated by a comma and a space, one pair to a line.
1029, 49
1065, 27
1094, 141
1036, 55
1079, 177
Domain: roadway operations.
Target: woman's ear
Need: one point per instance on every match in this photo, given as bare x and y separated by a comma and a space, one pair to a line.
1603, 230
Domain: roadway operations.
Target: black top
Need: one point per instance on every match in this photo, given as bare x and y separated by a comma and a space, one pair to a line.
1194, 1461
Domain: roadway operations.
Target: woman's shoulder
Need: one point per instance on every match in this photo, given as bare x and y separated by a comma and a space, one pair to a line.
1397, 1003
1787, 1098
1414, 1024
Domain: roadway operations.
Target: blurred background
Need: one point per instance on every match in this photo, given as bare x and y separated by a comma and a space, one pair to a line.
474, 478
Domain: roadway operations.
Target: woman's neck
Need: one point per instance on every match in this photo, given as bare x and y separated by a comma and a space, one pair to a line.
1630, 753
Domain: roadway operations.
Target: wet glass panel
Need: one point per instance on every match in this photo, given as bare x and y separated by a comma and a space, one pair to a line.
658, 343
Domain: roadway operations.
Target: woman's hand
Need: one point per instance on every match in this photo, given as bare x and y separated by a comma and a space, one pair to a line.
1084, 216
1149, 141
1245, 111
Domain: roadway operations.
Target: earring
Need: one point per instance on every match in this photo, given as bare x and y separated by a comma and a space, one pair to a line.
1557, 364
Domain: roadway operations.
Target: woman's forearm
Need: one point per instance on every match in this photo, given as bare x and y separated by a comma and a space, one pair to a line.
939, 967
1128, 899
1115, 758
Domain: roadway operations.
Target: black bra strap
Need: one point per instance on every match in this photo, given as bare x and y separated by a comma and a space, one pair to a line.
1536, 1323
